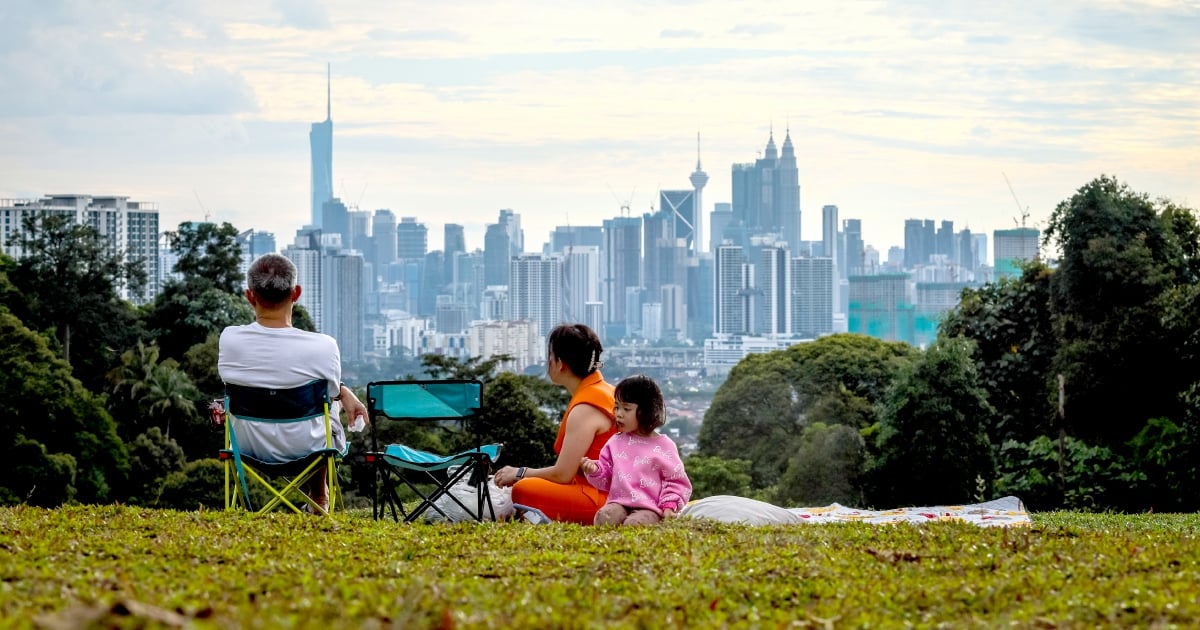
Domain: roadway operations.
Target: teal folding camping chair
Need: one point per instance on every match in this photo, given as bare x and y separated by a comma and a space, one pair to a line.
399, 466
248, 406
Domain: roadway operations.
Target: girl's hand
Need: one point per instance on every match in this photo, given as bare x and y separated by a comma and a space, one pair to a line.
669, 513
588, 466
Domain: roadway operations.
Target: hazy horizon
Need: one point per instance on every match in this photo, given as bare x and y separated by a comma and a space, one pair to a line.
449, 113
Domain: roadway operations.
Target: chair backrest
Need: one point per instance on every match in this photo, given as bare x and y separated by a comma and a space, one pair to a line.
267, 407
428, 400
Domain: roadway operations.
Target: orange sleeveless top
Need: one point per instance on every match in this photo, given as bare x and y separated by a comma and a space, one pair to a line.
599, 394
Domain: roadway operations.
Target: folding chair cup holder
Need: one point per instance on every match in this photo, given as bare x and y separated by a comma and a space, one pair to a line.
262, 406
399, 466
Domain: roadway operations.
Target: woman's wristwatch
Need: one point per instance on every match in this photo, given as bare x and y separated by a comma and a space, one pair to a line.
520, 473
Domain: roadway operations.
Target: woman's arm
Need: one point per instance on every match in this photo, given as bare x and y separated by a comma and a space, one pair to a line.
584, 423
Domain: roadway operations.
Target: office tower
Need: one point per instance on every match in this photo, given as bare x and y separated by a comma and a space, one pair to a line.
913, 247
944, 243
871, 259
412, 239
320, 142
853, 243
812, 294
497, 252
895, 258
679, 208
773, 282
467, 283
130, 227
700, 297
1012, 247
335, 219
622, 260
516, 236
729, 312
699, 178
383, 237
829, 237
342, 302
673, 317
432, 280
535, 290
980, 250
965, 251
581, 275
766, 193
567, 236
665, 253
360, 232
721, 215
453, 243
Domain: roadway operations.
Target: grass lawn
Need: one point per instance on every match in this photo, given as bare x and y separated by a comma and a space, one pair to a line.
131, 567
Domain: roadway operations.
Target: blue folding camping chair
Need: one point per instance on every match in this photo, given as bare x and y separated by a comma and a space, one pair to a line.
429, 475
264, 407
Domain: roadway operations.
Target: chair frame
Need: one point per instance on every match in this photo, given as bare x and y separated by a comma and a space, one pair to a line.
239, 468
393, 473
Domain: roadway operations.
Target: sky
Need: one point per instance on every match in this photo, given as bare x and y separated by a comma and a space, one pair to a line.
565, 111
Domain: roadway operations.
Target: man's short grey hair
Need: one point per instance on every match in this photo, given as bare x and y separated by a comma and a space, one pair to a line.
272, 278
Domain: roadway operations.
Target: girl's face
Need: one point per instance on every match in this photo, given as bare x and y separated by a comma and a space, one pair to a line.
626, 413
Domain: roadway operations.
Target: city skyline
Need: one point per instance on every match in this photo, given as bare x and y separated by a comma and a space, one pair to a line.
897, 111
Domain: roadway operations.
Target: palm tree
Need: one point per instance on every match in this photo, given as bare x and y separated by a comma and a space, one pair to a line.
137, 366
166, 394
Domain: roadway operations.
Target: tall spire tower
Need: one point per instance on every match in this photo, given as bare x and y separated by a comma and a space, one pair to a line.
699, 179
320, 142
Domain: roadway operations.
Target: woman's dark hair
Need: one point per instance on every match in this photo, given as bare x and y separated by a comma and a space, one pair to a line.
578, 346
643, 392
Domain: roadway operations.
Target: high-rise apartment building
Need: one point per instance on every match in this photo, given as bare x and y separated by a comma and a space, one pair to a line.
581, 277
852, 244
320, 142
305, 253
360, 232
535, 290
733, 308
1013, 246
131, 227
812, 295
773, 281
342, 301
881, 307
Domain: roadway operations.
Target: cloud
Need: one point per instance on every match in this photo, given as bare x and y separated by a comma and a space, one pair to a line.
433, 35
755, 29
680, 33
303, 14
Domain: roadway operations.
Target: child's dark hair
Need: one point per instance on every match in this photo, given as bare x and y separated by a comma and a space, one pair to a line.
643, 392
578, 346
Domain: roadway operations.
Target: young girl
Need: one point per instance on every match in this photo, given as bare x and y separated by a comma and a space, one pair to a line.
639, 467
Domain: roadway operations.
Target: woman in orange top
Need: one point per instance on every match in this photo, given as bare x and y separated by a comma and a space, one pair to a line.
560, 491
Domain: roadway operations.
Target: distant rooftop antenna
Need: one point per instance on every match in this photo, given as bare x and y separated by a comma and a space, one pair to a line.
1023, 210
328, 91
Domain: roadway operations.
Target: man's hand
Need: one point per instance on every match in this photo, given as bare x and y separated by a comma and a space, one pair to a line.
352, 405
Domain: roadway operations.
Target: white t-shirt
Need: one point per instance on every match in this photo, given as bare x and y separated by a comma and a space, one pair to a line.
279, 358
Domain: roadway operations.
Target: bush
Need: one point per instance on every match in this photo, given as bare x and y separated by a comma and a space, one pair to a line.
199, 484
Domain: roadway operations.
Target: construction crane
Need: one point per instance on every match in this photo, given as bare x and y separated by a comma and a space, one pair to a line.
1024, 210
623, 204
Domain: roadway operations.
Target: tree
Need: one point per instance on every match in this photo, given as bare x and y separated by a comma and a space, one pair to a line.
208, 251
198, 485
1123, 258
825, 468
152, 457
711, 476
752, 418
932, 444
42, 403
1011, 326
167, 395
69, 276
186, 312
510, 415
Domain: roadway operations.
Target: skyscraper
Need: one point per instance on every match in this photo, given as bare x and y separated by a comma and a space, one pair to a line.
383, 236
730, 312
679, 208
497, 252
320, 142
535, 290
829, 237
453, 243
766, 194
342, 301
622, 260
812, 296
856, 264
1012, 246
412, 239
774, 291
721, 215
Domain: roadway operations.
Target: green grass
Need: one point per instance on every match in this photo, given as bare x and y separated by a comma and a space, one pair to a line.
76, 565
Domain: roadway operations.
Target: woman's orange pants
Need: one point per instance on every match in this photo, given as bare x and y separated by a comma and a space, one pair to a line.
575, 502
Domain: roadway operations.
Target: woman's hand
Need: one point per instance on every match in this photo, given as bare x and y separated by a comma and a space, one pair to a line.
588, 466
505, 477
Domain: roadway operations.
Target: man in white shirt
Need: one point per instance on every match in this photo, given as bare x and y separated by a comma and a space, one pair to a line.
270, 353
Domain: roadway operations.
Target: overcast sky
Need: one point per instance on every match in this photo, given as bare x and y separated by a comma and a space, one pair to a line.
561, 110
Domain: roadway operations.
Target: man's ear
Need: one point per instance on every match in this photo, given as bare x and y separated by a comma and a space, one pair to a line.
250, 297
296, 294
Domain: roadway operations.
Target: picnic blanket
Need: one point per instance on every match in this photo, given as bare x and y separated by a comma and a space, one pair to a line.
1006, 512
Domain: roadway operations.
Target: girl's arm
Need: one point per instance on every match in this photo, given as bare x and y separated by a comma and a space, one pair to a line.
602, 478
676, 487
